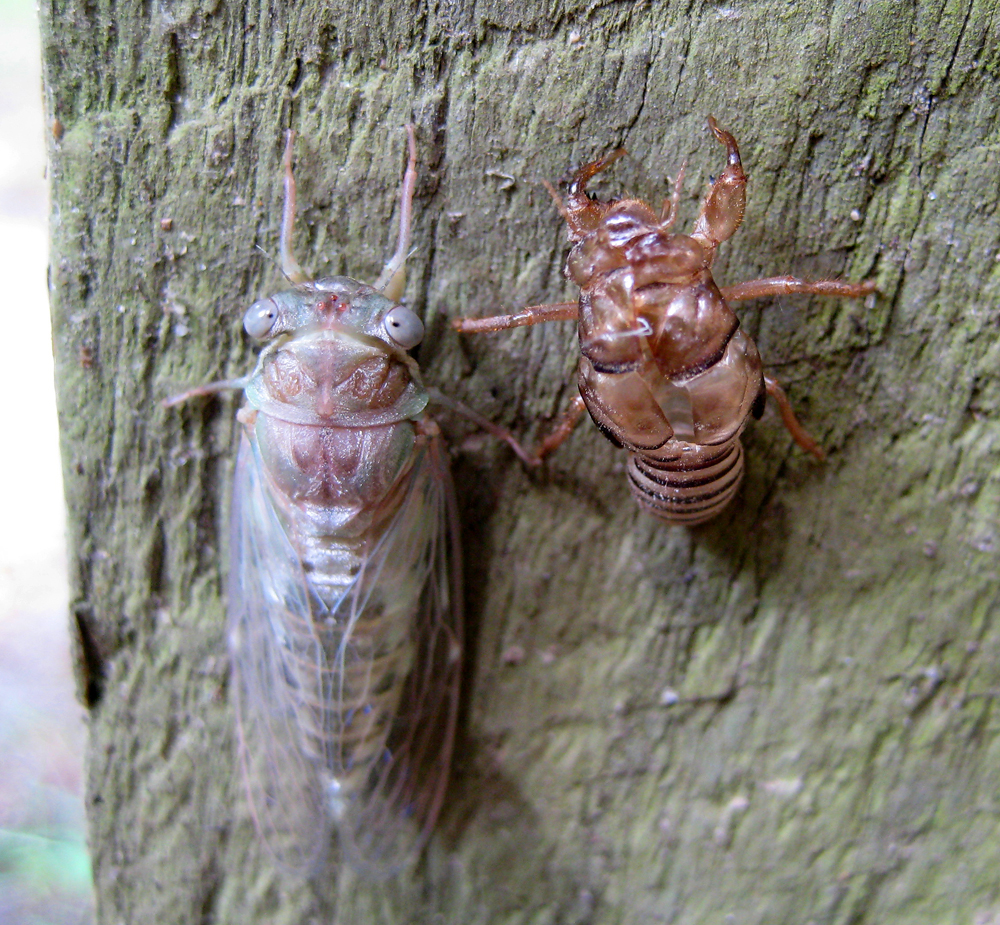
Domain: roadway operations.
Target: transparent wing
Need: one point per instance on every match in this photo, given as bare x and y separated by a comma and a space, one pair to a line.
347, 709
388, 822
272, 642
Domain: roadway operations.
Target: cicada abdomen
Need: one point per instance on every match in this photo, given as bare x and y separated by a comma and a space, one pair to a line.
344, 610
665, 370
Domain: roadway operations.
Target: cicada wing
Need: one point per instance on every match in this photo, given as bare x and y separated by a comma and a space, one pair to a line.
386, 823
276, 659
347, 709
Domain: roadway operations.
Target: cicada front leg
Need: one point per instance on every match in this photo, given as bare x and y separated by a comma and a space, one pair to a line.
722, 211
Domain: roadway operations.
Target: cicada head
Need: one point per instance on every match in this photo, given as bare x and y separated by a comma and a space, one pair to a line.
334, 302
335, 355
367, 309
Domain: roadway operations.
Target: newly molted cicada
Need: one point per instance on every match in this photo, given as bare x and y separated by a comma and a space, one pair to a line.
344, 592
665, 370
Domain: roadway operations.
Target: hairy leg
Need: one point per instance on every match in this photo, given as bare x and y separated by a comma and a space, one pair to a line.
531, 314
799, 434
787, 285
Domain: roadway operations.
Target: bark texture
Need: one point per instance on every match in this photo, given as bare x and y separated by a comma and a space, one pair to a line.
788, 715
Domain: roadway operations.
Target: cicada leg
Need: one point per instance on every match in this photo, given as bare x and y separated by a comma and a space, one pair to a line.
530, 314
799, 434
531, 458
289, 265
211, 388
582, 213
722, 210
787, 285
549, 444
495, 430
561, 432
392, 279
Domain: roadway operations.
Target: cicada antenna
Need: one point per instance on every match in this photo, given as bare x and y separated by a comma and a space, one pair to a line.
392, 279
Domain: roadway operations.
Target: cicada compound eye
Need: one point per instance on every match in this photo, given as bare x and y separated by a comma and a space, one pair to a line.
404, 327
260, 317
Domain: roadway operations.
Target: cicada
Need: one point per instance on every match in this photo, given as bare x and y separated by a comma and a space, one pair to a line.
665, 370
344, 591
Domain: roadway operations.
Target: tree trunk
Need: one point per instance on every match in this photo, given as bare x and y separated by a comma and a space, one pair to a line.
787, 715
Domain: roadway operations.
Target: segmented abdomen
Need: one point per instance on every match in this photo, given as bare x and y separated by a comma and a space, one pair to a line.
682, 432
687, 491
352, 648
349, 696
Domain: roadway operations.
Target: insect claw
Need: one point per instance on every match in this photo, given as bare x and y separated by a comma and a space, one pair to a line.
727, 139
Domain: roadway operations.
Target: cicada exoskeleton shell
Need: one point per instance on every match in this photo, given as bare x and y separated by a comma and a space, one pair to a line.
665, 370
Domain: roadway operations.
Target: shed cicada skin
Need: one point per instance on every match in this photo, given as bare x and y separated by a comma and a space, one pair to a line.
665, 370
343, 590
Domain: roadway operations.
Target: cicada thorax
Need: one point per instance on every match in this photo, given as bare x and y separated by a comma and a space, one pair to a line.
665, 371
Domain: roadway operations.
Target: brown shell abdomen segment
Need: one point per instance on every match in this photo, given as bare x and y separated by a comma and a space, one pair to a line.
687, 492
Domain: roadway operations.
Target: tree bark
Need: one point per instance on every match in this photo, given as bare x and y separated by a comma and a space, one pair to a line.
787, 715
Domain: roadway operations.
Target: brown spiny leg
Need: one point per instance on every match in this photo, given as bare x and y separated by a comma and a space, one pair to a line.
561, 432
530, 314
787, 285
582, 213
722, 210
799, 434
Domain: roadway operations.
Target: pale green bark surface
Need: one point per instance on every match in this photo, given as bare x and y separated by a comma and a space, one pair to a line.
786, 716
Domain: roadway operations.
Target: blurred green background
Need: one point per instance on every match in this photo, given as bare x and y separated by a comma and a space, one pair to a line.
44, 870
